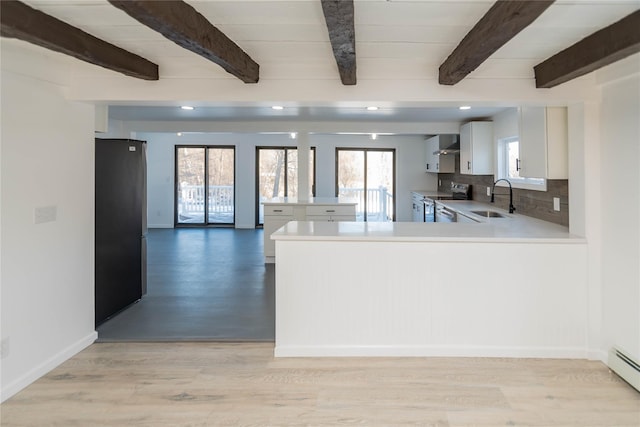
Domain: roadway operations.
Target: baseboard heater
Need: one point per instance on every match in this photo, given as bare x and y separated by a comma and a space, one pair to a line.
625, 366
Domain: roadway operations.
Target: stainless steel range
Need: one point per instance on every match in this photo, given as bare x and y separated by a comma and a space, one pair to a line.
438, 213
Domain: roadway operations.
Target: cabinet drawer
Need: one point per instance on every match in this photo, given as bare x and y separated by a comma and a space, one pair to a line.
330, 210
278, 210
331, 218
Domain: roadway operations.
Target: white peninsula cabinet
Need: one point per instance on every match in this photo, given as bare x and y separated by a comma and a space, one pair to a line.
280, 211
476, 148
543, 142
440, 163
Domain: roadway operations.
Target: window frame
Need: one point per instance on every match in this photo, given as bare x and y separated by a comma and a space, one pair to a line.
259, 224
365, 150
176, 186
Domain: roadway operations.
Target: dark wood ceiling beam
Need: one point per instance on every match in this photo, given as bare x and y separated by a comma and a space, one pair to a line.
339, 16
501, 23
19, 21
185, 26
610, 44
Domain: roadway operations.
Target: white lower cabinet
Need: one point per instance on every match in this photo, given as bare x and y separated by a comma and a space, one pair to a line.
277, 215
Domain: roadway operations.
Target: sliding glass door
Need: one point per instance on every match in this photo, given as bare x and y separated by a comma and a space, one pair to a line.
367, 175
205, 185
277, 175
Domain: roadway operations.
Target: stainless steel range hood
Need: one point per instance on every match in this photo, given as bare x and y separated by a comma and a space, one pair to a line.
450, 145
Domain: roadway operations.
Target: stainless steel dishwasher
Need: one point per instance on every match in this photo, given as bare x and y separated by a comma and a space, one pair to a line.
444, 214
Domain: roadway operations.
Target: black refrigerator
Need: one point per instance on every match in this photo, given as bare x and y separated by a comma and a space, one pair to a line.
120, 225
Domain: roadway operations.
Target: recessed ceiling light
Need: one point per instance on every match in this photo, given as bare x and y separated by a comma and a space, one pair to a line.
293, 135
372, 108
374, 136
277, 107
179, 133
187, 107
465, 107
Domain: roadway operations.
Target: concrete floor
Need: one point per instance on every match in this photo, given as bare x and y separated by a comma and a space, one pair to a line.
207, 284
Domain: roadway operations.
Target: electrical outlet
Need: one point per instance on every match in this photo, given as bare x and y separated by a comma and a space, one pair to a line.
556, 204
4, 348
488, 191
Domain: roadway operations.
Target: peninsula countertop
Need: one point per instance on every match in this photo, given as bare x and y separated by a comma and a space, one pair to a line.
511, 228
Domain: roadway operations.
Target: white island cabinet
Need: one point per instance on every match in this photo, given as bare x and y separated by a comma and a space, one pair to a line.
279, 211
440, 289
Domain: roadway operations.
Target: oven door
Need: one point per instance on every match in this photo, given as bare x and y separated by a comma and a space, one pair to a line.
445, 215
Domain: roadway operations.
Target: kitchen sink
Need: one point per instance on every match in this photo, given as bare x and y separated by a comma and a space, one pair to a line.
488, 214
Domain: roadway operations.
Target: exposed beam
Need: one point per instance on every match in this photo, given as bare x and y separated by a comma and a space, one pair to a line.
182, 24
339, 15
501, 23
601, 48
19, 21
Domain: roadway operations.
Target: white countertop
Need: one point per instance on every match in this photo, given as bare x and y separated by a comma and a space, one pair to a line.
433, 194
311, 201
514, 228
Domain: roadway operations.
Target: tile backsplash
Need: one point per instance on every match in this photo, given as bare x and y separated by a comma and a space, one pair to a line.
536, 204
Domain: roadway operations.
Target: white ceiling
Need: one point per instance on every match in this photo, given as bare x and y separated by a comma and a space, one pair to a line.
397, 39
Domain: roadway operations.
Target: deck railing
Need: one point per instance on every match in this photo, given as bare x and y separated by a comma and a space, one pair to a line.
191, 199
379, 202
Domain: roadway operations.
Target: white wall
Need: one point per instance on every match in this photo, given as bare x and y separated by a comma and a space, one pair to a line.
620, 157
47, 269
410, 173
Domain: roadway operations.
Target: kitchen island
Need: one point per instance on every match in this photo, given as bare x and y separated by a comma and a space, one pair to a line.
280, 210
507, 287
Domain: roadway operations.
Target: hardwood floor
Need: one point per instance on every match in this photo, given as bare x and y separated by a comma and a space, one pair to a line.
204, 284
230, 384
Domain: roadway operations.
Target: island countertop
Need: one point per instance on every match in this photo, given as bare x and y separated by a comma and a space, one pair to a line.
311, 201
512, 228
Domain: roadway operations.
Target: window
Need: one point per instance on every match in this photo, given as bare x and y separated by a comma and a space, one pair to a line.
200, 171
367, 175
276, 180
509, 166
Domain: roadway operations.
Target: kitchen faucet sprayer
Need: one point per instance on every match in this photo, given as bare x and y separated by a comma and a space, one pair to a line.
511, 207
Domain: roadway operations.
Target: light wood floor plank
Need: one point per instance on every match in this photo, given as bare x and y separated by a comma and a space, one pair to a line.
241, 384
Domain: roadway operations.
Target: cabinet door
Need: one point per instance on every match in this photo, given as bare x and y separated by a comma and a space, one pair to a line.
557, 143
430, 159
476, 148
465, 149
533, 142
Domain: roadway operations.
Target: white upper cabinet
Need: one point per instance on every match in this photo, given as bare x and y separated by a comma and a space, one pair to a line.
440, 163
543, 142
476, 148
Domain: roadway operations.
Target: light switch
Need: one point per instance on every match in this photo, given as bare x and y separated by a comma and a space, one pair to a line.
488, 191
556, 204
45, 214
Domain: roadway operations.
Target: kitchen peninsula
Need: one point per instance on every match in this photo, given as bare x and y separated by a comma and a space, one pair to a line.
506, 287
280, 210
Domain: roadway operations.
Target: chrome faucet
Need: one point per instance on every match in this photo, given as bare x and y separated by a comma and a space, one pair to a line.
511, 207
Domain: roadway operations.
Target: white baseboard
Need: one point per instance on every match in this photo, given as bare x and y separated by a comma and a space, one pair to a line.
600, 355
159, 225
430, 351
42, 369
